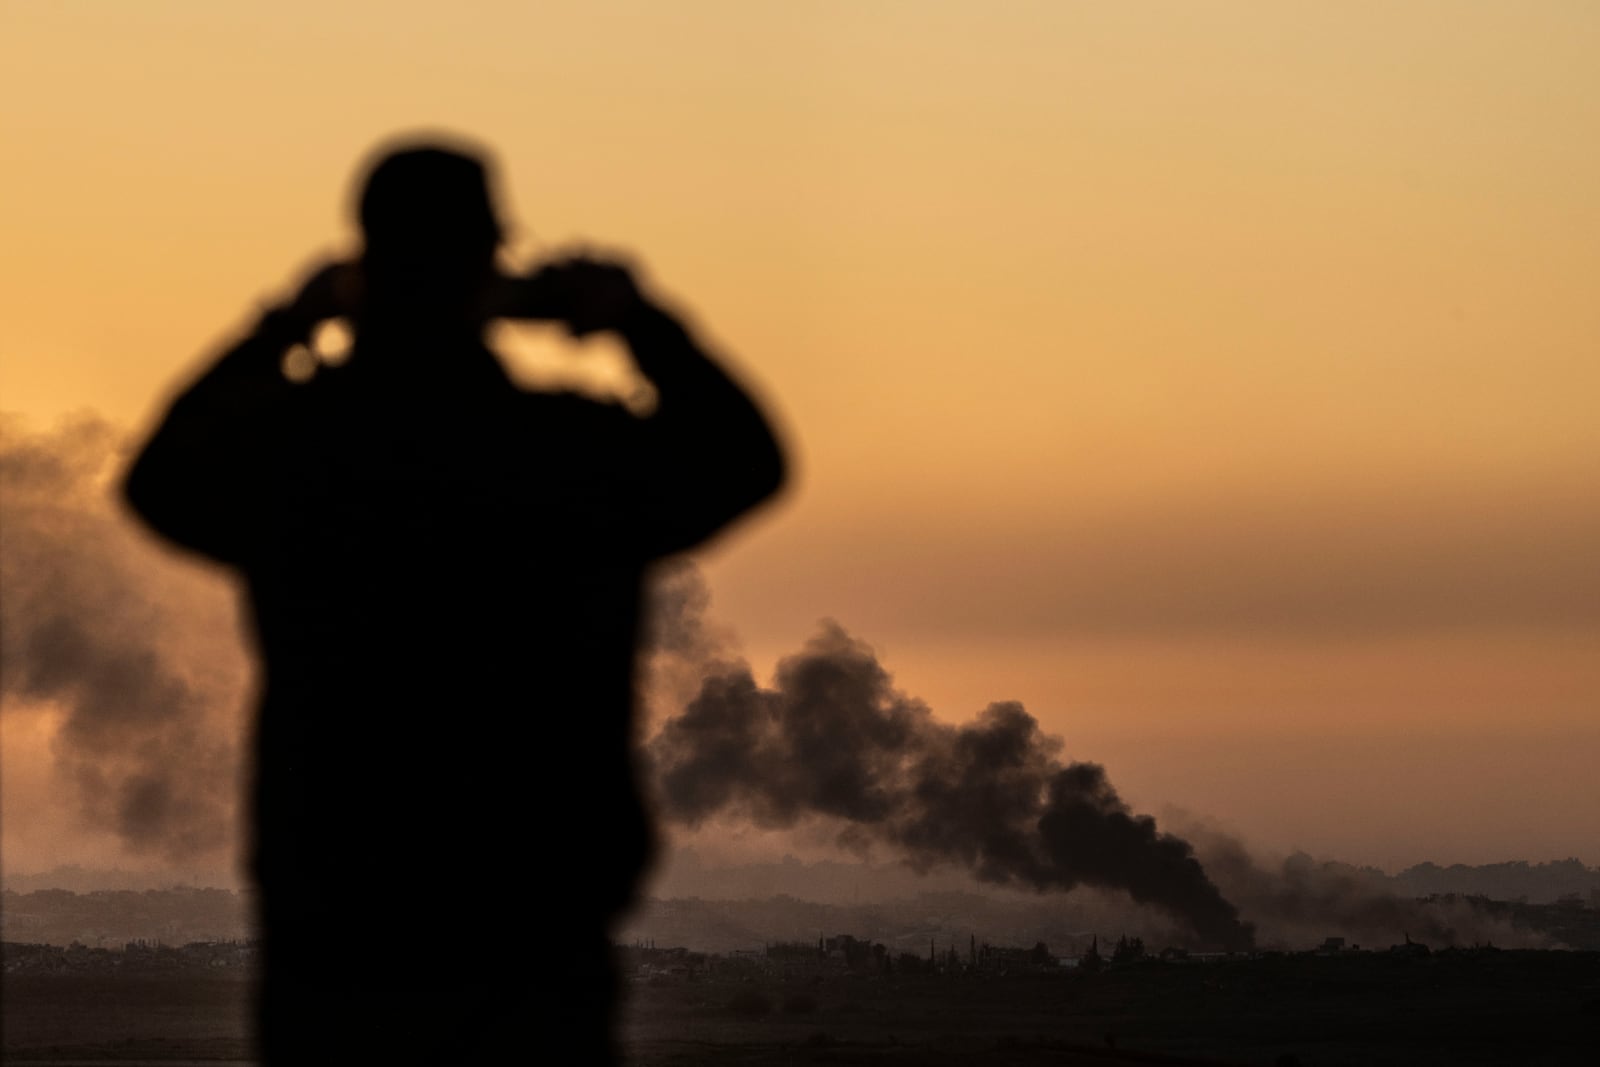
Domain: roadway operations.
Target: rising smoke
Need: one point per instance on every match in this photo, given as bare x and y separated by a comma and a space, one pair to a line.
832, 742
137, 661
832, 739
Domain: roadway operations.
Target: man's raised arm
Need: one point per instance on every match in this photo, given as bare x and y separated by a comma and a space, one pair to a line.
708, 452
719, 456
194, 480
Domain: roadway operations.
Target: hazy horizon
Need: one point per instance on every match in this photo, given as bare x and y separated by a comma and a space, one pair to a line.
661, 880
172, 627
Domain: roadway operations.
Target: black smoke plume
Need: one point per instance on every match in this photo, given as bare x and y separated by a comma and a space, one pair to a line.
833, 739
138, 661
832, 742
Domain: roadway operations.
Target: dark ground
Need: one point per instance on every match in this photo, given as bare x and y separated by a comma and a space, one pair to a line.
123, 1018
1452, 1008
1455, 1008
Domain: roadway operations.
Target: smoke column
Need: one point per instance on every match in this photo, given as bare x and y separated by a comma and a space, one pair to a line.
138, 660
832, 739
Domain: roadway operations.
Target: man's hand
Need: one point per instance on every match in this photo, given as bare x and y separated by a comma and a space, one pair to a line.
600, 294
585, 293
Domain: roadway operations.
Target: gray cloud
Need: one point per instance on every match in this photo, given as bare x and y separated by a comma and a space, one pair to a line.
134, 655
832, 743
832, 739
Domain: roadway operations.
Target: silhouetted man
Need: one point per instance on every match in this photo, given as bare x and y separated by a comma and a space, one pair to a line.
445, 572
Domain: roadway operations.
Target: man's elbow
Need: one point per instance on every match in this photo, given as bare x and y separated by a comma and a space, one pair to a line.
175, 512
769, 474
141, 491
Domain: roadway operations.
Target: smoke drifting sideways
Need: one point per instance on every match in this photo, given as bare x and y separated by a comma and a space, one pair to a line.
135, 656
831, 743
1298, 901
832, 739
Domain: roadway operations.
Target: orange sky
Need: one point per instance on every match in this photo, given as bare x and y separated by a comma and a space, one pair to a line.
1216, 379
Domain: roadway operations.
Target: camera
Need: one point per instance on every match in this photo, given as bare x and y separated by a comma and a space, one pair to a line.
544, 293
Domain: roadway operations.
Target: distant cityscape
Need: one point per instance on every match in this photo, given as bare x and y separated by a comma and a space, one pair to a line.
1574, 920
190, 931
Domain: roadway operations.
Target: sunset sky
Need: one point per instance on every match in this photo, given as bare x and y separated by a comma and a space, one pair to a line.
1217, 379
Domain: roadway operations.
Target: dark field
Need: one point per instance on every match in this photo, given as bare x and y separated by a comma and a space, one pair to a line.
1490, 1008
109, 1018
1454, 1008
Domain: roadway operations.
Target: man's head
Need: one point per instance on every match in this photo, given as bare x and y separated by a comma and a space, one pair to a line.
429, 226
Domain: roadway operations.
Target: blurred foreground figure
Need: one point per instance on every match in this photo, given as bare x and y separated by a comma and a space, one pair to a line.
446, 572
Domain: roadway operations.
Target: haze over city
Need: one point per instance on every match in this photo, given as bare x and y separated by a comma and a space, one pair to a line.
1214, 382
